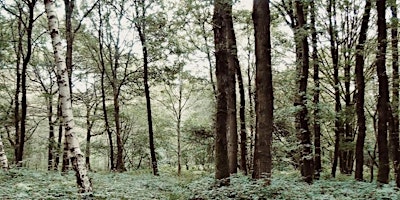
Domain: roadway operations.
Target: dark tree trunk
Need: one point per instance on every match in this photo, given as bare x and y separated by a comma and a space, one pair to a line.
51, 142
360, 88
17, 92
69, 6
141, 28
264, 91
103, 92
233, 64
394, 134
383, 98
27, 58
120, 145
222, 72
60, 134
317, 125
335, 61
242, 115
303, 131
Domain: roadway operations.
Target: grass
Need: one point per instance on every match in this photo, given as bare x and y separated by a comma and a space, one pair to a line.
30, 184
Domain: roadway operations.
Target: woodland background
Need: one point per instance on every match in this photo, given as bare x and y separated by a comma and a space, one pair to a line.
182, 89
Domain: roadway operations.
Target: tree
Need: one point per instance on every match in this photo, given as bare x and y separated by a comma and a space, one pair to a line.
316, 98
221, 57
383, 98
77, 158
303, 132
233, 64
140, 25
264, 92
394, 132
360, 97
3, 156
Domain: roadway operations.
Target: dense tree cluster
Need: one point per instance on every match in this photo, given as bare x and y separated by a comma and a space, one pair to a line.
213, 85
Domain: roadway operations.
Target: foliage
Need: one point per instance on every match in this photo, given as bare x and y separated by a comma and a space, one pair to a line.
23, 184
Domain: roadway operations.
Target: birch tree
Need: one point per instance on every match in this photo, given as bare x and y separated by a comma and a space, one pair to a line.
3, 156
77, 157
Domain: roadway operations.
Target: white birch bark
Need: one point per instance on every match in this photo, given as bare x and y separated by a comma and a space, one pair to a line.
77, 157
3, 157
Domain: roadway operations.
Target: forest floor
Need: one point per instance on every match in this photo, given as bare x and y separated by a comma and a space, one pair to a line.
196, 185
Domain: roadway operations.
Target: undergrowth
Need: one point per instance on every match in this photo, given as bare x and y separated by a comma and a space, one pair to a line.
29, 184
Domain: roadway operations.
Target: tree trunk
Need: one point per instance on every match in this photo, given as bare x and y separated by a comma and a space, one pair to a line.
233, 64
16, 95
141, 28
394, 134
335, 61
3, 156
103, 92
51, 142
317, 123
26, 60
360, 88
120, 146
77, 157
69, 6
59, 140
222, 73
383, 98
264, 91
242, 115
301, 97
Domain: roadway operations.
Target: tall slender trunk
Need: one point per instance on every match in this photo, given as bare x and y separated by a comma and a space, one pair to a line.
394, 134
120, 146
242, 116
178, 125
25, 63
233, 64
383, 98
17, 92
51, 142
59, 140
317, 125
301, 97
77, 157
221, 57
335, 61
360, 88
251, 110
69, 6
141, 28
103, 92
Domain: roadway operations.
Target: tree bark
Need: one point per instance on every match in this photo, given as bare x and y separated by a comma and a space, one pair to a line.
77, 157
222, 70
69, 6
25, 62
394, 134
335, 61
59, 140
3, 156
264, 91
103, 91
141, 28
360, 88
242, 115
383, 98
51, 142
233, 64
317, 117
303, 132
